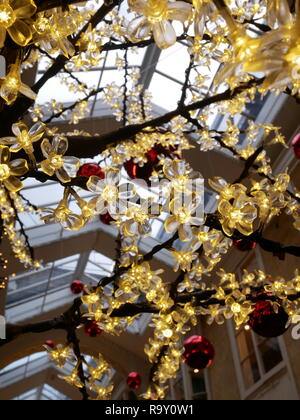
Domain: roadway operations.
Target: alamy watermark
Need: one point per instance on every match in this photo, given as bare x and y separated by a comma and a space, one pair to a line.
296, 329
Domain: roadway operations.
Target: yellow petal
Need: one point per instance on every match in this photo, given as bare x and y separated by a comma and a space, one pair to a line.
4, 154
18, 167
2, 36
24, 9
47, 168
26, 91
20, 33
13, 184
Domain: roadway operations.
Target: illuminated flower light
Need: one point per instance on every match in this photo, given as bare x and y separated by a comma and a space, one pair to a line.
240, 215
183, 179
112, 196
278, 53
227, 191
14, 15
10, 171
184, 259
138, 220
183, 217
24, 138
53, 31
99, 368
155, 16
63, 215
64, 167
103, 393
11, 85
73, 378
278, 12
238, 310
60, 355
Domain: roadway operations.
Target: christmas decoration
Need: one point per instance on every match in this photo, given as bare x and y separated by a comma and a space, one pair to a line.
91, 169
134, 380
151, 158
106, 218
92, 329
296, 146
244, 245
77, 287
50, 344
266, 321
199, 352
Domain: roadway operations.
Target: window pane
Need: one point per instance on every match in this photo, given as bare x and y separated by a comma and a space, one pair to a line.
270, 353
250, 371
198, 385
245, 344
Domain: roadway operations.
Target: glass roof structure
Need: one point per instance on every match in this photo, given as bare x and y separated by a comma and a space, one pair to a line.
42, 393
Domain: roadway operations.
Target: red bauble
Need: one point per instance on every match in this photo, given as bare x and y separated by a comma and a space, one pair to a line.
134, 380
91, 169
244, 245
199, 352
92, 329
106, 218
50, 343
265, 322
145, 172
296, 146
77, 287
139, 172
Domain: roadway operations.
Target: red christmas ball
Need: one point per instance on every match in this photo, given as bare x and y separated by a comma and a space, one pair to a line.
106, 218
92, 329
134, 380
91, 169
244, 245
77, 287
199, 352
296, 146
265, 322
139, 172
50, 343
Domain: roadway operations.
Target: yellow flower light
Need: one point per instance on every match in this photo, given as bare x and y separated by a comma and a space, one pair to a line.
14, 15
64, 167
184, 216
73, 378
155, 16
240, 215
11, 170
63, 215
112, 196
24, 138
11, 85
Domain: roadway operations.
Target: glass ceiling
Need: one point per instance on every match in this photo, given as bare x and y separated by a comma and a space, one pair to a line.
43, 393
